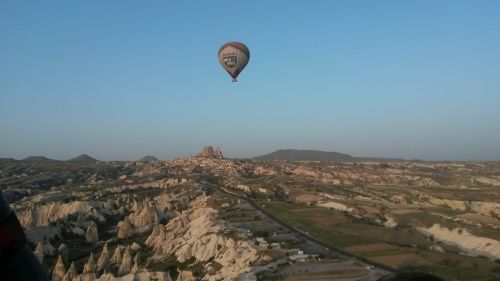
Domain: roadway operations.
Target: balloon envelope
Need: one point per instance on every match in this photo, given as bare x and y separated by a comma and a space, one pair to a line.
234, 56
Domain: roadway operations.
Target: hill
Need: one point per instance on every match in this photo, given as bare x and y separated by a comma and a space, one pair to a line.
38, 159
315, 155
305, 155
84, 158
148, 158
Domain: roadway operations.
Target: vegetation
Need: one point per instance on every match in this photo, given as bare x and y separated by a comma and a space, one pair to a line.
325, 225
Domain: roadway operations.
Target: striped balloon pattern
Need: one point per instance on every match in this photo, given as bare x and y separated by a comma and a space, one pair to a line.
234, 56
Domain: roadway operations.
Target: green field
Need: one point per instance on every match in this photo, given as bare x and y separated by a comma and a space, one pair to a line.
337, 229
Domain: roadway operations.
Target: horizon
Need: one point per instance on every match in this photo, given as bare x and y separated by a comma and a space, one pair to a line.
121, 80
249, 157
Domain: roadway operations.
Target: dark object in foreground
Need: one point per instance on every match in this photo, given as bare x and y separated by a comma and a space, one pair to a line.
413, 276
17, 261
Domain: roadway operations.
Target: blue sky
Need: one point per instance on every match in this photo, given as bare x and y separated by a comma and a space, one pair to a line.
122, 79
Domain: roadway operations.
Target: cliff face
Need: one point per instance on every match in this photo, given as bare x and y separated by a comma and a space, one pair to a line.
53, 212
473, 245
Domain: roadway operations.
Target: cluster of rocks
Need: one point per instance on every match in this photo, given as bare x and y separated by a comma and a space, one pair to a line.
147, 213
34, 216
208, 162
124, 263
210, 152
181, 226
196, 235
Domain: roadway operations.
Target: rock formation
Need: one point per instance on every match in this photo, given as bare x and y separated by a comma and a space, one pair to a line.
91, 234
194, 235
147, 276
55, 211
104, 260
64, 252
39, 252
209, 152
116, 259
89, 266
144, 217
125, 229
126, 265
59, 270
186, 276
136, 258
91, 276
474, 245
135, 247
140, 275
71, 273
48, 249
135, 268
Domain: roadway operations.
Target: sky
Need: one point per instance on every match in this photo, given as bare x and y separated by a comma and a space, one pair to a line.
122, 79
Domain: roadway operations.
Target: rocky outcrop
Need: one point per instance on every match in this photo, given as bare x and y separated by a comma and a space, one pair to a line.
59, 270
262, 171
71, 273
125, 229
126, 264
52, 212
104, 260
336, 206
144, 216
89, 269
48, 249
135, 247
91, 234
64, 252
209, 152
473, 245
484, 208
390, 221
43, 233
486, 181
39, 252
186, 276
194, 235
89, 266
147, 276
116, 259
90, 276
135, 268
136, 258
138, 276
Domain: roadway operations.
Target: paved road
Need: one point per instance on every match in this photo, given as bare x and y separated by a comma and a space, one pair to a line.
376, 268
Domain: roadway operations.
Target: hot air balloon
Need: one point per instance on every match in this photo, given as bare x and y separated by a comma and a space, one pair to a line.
234, 56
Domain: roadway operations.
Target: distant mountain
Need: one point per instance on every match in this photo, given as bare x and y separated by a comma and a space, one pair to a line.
148, 158
38, 159
7, 160
84, 158
315, 155
305, 155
